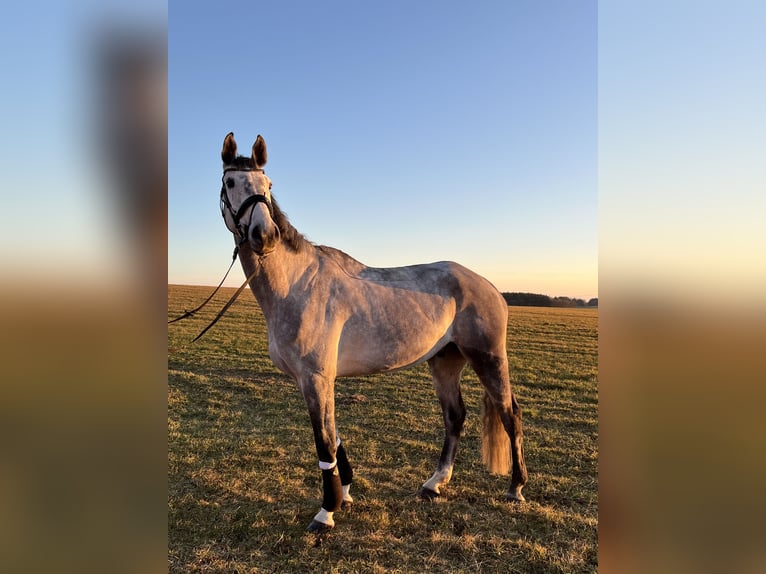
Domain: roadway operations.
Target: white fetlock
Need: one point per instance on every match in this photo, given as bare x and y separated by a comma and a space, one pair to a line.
439, 479
346, 496
325, 517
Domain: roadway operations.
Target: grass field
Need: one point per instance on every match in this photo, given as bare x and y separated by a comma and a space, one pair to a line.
244, 482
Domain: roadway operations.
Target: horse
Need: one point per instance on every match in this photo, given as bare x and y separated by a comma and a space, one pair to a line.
329, 316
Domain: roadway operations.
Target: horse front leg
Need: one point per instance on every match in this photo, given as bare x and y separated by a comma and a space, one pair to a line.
346, 475
318, 391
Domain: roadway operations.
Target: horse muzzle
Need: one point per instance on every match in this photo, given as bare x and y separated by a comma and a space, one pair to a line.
263, 239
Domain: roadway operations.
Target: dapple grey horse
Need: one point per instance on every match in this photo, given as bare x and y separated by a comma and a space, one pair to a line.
330, 316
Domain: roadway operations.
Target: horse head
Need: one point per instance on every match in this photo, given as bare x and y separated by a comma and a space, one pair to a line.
246, 197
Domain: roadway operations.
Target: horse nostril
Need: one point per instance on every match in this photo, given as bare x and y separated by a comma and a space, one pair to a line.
263, 238
256, 235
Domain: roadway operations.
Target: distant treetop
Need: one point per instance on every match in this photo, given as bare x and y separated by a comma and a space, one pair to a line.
538, 300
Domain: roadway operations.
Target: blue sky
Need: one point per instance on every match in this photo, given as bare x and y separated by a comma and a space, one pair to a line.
416, 132
399, 132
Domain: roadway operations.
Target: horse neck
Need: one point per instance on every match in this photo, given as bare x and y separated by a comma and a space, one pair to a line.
276, 273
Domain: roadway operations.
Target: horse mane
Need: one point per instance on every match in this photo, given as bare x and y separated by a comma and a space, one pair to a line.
294, 239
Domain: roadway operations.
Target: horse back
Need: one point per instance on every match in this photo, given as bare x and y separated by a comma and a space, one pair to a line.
396, 317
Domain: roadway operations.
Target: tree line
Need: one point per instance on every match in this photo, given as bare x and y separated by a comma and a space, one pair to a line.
537, 300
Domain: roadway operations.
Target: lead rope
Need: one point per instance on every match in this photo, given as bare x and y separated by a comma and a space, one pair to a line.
206, 301
222, 311
225, 307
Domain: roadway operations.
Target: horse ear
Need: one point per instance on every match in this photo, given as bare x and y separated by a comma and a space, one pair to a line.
259, 151
229, 151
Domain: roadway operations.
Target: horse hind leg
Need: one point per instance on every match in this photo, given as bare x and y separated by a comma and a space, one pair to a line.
446, 367
501, 416
512, 421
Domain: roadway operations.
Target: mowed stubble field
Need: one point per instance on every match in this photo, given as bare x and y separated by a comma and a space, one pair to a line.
244, 483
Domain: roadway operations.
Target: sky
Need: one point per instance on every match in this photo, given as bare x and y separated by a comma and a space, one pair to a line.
682, 142
58, 218
551, 149
399, 132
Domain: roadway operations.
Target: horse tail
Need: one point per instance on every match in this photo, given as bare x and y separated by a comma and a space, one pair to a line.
495, 445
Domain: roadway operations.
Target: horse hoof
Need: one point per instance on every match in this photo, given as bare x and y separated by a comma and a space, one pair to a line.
515, 497
346, 504
317, 527
428, 494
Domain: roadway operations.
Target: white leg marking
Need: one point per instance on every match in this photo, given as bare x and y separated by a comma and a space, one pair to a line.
327, 465
346, 495
439, 479
324, 517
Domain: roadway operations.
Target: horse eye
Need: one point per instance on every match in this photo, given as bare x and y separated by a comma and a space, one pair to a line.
270, 184
229, 182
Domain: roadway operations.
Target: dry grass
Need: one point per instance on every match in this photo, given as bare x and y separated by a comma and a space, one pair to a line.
244, 482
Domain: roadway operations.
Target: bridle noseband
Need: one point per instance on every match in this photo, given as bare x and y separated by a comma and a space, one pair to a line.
249, 201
